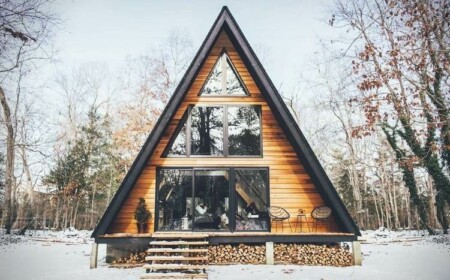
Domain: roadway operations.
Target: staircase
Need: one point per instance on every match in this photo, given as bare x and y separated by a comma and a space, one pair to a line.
177, 256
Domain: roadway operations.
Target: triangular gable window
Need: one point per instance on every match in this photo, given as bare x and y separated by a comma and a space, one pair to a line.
178, 145
223, 79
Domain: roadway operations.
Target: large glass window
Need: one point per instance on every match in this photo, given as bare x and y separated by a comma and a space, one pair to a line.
207, 130
218, 131
223, 79
206, 199
244, 131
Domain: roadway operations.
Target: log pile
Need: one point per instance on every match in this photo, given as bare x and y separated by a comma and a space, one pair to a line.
307, 254
239, 254
304, 254
134, 258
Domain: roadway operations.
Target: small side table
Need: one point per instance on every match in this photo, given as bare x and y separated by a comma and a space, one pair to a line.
300, 219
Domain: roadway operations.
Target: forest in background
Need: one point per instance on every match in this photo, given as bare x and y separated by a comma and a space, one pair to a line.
376, 113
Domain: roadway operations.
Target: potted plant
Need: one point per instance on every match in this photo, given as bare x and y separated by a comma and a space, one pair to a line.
142, 215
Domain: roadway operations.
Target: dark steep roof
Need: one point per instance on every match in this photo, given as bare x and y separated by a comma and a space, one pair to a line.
225, 22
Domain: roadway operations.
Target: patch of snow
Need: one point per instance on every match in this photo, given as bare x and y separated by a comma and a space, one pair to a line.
383, 235
51, 255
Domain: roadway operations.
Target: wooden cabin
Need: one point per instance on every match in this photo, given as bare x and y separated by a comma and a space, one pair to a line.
226, 152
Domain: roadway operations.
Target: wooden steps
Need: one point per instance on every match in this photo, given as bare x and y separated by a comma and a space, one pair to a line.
174, 276
177, 243
170, 250
180, 236
177, 256
175, 266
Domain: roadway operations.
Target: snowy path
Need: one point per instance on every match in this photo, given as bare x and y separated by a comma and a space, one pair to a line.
36, 260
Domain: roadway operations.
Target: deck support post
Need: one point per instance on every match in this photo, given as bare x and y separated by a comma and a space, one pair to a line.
94, 254
270, 253
356, 252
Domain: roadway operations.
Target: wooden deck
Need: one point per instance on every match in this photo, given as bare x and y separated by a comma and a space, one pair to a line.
235, 237
182, 234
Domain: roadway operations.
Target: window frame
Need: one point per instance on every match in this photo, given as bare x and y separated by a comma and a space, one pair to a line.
234, 199
231, 188
223, 93
187, 117
157, 187
224, 133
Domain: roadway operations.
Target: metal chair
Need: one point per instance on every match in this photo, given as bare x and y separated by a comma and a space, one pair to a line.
321, 214
278, 215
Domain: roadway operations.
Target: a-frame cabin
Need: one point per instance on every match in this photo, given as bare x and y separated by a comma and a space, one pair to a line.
225, 150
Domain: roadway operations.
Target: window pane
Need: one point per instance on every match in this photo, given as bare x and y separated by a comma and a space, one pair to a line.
234, 85
207, 131
174, 199
211, 199
230, 85
244, 131
251, 199
213, 85
178, 147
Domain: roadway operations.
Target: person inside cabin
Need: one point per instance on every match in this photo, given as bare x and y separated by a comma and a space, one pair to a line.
202, 218
251, 208
221, 212
201, 209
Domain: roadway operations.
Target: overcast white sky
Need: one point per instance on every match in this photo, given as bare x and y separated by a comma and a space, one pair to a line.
107, 31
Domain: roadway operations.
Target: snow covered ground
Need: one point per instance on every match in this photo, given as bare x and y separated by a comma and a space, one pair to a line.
65, 255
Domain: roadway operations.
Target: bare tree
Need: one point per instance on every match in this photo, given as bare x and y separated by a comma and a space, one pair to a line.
400, 60
149, 81
25, 28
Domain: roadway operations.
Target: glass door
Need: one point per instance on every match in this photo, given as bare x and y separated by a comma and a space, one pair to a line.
174, 199
211, 199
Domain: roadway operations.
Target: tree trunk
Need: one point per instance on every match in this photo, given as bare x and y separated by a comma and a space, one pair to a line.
356, 191
75, 213
409, 213
58, 213
410, 182
91, 223
375, 201
391, 206
9, 165
394, 197
66, 213
432, 203
29, 182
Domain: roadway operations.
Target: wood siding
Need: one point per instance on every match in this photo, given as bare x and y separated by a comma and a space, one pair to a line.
290, 185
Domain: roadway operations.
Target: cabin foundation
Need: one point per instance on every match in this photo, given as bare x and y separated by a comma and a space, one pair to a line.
270, 256
94, 255
356, 252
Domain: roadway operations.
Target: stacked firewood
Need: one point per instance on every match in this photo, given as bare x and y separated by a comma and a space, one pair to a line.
134, 258
308, 254
242, 254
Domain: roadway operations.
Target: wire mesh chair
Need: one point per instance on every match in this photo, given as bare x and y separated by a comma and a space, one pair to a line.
321, 214
278, 215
